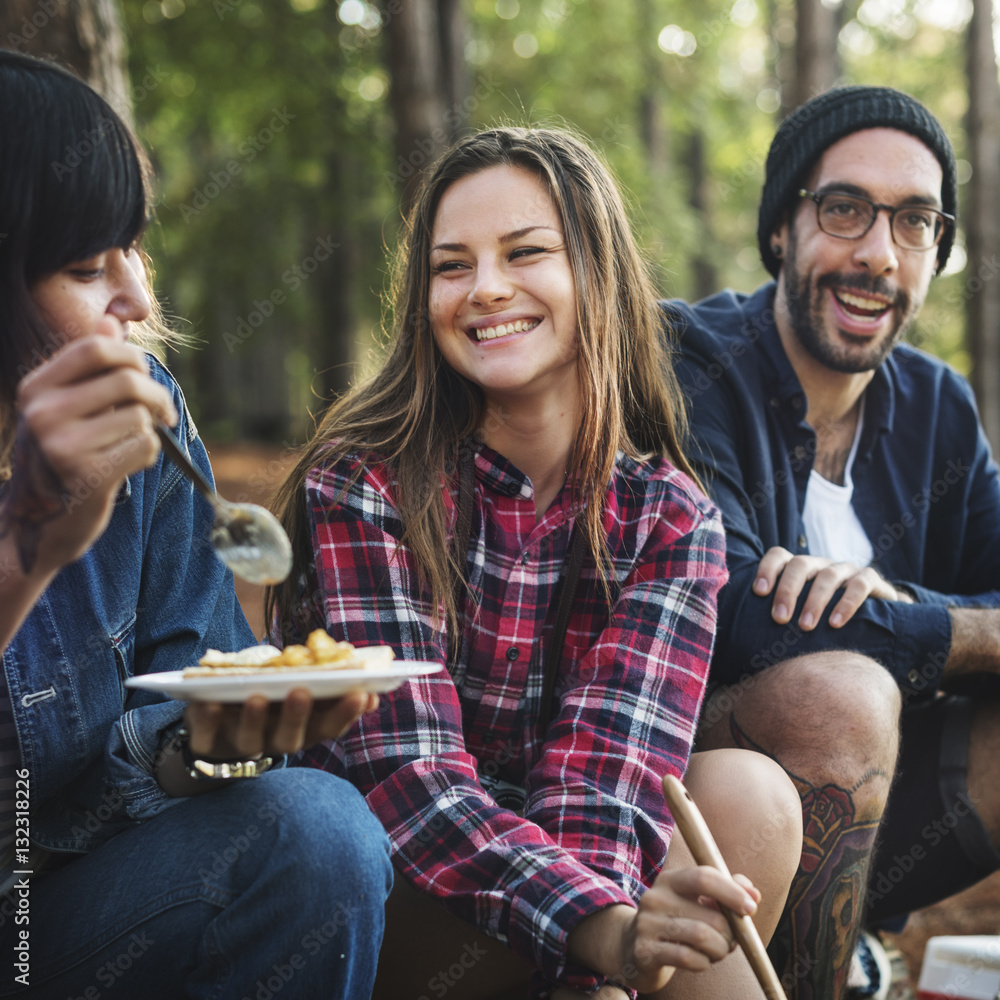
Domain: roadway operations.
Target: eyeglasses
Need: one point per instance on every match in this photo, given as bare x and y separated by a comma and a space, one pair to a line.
850, 216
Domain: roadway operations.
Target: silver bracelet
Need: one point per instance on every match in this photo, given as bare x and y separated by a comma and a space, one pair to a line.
202, 769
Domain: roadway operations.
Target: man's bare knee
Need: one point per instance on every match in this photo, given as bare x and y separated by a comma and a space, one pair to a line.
836, 707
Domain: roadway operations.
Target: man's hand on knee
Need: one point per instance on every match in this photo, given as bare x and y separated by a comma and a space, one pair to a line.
787, 575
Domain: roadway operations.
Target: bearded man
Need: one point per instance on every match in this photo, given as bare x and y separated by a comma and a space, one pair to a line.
859, 636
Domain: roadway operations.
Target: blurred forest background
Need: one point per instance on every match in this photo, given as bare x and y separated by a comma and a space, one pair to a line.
287, 135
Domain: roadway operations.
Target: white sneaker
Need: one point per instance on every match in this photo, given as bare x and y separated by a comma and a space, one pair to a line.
870, 974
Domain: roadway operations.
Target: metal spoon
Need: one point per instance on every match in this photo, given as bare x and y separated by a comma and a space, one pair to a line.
247, 538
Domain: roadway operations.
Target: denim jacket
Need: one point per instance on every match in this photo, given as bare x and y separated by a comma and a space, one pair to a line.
150, 595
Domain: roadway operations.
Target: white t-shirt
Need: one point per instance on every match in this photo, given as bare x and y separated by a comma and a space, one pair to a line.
832, 527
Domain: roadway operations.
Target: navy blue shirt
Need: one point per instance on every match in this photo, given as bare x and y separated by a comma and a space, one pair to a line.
926, 490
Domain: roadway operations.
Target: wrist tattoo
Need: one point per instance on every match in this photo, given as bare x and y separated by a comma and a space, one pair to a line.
34, 496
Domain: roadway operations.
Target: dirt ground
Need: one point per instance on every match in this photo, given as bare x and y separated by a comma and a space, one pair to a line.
252, 472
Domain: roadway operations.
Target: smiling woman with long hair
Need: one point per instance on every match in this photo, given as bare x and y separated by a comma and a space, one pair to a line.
508, 496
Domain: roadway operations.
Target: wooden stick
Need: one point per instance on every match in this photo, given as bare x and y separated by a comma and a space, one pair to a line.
702, 845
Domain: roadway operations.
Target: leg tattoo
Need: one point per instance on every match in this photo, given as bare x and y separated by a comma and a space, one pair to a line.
813, 944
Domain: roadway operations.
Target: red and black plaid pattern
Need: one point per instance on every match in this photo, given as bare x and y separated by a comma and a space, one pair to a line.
595, 828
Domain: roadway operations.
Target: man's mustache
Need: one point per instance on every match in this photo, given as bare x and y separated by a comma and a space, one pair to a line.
874, 285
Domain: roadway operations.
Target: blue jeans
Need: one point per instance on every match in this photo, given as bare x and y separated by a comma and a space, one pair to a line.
268, 889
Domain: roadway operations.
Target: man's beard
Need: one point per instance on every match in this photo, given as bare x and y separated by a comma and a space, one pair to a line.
804, 302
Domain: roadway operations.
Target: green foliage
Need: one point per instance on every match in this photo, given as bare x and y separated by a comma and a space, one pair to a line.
264, 148
269, 126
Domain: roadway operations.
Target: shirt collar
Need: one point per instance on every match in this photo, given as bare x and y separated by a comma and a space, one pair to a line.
502, 476
880, 404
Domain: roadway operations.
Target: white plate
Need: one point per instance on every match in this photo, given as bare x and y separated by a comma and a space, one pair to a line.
322, 683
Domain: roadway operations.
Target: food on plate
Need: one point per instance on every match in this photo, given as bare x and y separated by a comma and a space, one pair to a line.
320, 652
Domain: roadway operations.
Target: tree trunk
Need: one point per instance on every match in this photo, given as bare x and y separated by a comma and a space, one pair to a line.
816, 65
703, 272
453, 36
781, 28
982, 218
85, 35
333, 345
426, 42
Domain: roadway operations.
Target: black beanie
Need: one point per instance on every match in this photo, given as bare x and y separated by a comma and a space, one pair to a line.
815, 126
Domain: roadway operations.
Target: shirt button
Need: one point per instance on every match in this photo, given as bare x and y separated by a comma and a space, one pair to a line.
797, 402
803, 541
775, 402
913, 676
525, 558
512, 654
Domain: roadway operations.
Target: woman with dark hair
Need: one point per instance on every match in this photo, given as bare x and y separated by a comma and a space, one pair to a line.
117, 872
508, 495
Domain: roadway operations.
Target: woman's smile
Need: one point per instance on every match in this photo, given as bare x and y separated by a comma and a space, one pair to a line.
502, 328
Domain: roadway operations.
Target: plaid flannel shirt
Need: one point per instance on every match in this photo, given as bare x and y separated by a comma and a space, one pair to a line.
595, 829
